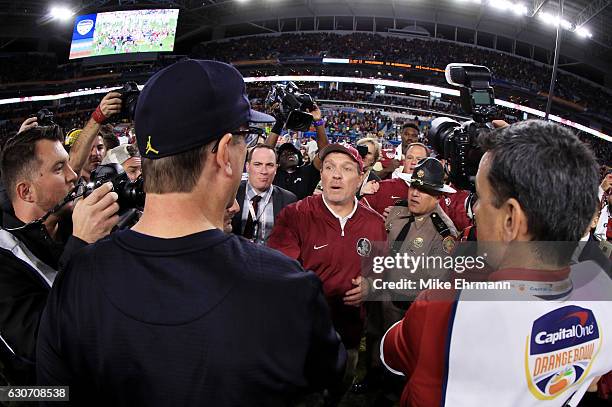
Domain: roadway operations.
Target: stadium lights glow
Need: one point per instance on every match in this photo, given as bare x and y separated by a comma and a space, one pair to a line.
554, 20
500, 4
520, 10
584, 33
61, 13
504, 5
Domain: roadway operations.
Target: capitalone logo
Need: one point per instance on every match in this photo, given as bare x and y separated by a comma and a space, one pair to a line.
85, 26
560, 350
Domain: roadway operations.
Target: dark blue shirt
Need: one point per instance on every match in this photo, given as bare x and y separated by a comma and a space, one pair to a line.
206, 319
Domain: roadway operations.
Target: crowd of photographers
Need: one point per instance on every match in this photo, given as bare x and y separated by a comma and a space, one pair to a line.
162, 303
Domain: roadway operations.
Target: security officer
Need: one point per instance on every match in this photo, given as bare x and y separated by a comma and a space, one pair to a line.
419, 226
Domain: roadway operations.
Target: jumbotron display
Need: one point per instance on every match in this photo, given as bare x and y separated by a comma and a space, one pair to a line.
123, 32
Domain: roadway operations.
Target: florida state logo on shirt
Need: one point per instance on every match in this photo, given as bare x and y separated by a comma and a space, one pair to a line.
364, 247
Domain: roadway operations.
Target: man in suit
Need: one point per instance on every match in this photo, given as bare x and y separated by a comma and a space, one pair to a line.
259, 200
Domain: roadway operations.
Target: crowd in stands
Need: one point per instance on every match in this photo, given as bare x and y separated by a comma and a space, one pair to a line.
535, 77
317, 213
23, 67
17, 67
73, 113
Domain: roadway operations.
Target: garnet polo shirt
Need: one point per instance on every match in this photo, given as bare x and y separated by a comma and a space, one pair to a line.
389, 191
309, 232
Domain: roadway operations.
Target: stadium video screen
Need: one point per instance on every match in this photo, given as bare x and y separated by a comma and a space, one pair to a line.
123, 32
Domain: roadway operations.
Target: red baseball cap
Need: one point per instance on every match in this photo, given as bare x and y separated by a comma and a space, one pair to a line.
348, 150
386, 157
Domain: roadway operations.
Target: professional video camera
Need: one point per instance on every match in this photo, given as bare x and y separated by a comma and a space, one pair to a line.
131, 193
457, 142
292, 104
129, 99
44, 117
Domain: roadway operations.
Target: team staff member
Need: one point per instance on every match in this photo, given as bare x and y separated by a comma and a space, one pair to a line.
291, 174
260, 201
481, 353
156, 315
381, 195
330, 234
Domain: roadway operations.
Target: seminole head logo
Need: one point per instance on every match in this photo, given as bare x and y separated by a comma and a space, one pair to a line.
560, 351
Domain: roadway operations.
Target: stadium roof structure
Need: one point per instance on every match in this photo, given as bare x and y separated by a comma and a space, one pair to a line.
477, 21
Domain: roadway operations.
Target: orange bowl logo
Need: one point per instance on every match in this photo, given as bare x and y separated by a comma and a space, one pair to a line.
560, 350
84, 26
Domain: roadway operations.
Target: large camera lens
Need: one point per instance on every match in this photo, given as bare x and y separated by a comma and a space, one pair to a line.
439, 132
130, 194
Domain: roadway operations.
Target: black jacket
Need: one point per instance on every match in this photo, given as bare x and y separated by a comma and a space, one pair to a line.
23, 295
302, 182
280, 198
208, 319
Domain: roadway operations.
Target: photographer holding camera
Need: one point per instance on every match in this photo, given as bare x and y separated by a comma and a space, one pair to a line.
291, 174
147, 316
38, 237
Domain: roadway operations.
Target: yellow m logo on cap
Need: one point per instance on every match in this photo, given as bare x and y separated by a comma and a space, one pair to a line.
150, 148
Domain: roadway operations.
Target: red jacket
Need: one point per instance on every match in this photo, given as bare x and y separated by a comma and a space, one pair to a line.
389, 191
308, 232
454, 206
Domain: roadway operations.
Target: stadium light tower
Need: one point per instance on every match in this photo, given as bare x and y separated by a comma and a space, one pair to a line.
61, 13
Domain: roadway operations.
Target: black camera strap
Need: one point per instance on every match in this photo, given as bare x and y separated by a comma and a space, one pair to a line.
77, 192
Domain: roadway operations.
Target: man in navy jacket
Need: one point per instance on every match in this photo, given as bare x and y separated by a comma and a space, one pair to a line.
174, 311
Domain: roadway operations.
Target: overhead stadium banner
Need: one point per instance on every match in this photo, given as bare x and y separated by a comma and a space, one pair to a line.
381, 63
300, 60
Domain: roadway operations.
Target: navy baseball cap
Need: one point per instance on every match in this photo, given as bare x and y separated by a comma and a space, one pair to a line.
189, 104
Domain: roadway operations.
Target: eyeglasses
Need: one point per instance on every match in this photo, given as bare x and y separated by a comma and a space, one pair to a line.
251, 136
